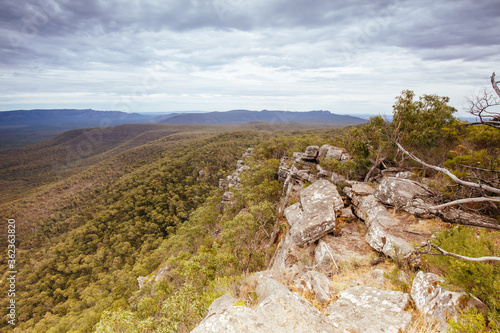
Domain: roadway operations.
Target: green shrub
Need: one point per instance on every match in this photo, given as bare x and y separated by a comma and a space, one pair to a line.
481, 279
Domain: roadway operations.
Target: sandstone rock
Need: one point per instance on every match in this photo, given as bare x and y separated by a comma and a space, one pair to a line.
141, 280
284, 169
303, 174
366, 309
162, 272
322, 173
328, 151
228, 196
347, 213
405, 175
293, 214
311, 153
400, 192
288, 254
248, 153
437, 303
222, 183
337, 178
311, 179
320, 202
361, 188
280, 311
297, 157
392, 172
221, 304
233, 180
382, 241
317, 284
332, 251
383, 228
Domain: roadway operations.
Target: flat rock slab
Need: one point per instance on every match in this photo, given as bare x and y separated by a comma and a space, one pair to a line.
280, 311
320, 203
370, 310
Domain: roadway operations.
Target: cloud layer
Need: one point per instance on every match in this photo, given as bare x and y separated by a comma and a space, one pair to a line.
151, 55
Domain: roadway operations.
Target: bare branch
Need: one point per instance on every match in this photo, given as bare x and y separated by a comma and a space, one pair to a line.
458, 216
479, 259
468, 200
449, 174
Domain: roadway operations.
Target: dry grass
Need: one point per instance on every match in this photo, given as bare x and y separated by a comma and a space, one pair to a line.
419, 324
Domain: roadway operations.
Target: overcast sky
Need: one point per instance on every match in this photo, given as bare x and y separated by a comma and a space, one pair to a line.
349, 57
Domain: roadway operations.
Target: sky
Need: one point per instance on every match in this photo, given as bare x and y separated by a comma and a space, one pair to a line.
348, 57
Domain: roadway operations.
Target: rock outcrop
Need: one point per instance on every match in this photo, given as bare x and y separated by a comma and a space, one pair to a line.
323, 235
279, 310
369, 310
321, 203
437, 303
384, 230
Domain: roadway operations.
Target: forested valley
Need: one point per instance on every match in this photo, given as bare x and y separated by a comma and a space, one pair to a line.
96, 209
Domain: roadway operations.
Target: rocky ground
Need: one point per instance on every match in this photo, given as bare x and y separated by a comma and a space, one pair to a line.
330, 270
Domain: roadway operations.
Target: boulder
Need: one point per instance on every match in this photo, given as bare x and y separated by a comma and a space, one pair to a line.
320, 202
141, 280
293, 214
311, 153
371, 310
162, 272
233, 180
247, 153
347, 213
222, 183
297, 157
221, 304
384, 230
437, 303
322, 173
280, 310
329, 151
400, 192
317, 284
289, 254
227, 196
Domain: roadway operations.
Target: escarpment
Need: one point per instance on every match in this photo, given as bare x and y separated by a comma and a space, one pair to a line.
334, 223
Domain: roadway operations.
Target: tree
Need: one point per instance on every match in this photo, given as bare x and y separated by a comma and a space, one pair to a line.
482, 189
483, 106
418, 124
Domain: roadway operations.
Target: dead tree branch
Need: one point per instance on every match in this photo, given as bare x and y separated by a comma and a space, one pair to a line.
429, 246
457, 256
468, 200
481, 106
450, 174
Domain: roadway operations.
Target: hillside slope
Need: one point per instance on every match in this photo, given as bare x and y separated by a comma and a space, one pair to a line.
245, 116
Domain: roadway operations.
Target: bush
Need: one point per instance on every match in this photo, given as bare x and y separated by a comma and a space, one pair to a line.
477, 278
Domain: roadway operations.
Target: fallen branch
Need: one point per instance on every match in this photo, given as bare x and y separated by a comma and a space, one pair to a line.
467, 200
448, 173
442, 252
457, 256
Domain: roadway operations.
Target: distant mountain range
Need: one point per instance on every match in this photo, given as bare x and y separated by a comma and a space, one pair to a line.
91, 118
68, 117
246, 116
